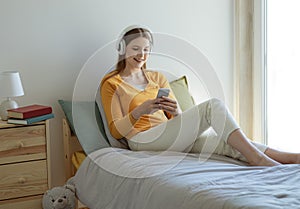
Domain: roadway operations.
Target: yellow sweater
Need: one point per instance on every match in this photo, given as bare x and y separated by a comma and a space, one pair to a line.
119, 98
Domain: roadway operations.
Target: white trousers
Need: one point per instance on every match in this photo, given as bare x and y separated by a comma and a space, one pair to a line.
203, 128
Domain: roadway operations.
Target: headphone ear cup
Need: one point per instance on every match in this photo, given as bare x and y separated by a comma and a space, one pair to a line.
122, 47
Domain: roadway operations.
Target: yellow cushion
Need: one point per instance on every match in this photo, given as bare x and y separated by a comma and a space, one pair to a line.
78, 158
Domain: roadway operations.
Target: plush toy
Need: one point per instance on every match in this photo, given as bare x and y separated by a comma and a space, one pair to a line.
62, 197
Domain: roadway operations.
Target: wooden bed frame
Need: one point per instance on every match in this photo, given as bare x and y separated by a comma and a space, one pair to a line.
71, 145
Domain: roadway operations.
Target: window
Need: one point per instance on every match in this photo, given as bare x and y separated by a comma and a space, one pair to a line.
283, 74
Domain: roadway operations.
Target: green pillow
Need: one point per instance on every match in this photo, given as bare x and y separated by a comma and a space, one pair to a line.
181, 90
89, 127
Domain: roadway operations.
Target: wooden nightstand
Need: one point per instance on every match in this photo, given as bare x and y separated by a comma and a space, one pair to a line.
24, 165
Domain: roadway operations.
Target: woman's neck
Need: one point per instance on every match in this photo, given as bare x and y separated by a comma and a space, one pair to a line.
131, 72
134, 77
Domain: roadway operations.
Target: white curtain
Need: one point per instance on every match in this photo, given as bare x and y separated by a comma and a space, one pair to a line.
243, 73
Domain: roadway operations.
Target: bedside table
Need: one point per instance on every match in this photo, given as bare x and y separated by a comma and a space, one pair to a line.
24, 165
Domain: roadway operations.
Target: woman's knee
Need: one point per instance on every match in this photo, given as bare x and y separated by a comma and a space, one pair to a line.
212, 103
216, 106
212, 107
216, 102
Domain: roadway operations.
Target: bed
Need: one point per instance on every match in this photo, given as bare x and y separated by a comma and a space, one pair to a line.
107, 179
110, 176
216, 183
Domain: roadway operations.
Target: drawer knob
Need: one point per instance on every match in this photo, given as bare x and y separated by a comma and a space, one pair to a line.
21, 144
22, 180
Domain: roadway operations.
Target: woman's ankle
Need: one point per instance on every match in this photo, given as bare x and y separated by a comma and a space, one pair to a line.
263, 160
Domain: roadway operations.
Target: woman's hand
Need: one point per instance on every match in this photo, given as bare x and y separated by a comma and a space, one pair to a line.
152, 105
148, 107
169, 105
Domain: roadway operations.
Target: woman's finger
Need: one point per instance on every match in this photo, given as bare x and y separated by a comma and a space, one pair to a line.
169, 99
171, 104
168, 108
158, 100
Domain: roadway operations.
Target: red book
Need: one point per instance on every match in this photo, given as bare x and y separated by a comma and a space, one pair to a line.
29, 111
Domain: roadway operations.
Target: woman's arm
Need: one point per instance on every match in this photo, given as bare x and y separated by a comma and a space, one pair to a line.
119, 124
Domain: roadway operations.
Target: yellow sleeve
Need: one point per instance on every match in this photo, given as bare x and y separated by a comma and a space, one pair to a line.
119, 124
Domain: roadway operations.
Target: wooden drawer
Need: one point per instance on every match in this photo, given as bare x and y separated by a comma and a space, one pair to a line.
23, 179
22, 144
34, 202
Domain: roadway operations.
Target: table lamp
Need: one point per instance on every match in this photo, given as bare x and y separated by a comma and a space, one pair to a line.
10, 86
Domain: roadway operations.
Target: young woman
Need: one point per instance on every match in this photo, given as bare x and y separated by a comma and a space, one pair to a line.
133, 111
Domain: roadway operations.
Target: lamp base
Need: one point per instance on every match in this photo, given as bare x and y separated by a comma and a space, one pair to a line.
6, 105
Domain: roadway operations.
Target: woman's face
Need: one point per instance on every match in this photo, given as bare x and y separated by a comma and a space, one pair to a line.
137, 52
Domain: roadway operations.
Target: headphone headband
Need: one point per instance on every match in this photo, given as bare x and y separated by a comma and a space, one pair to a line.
121, 45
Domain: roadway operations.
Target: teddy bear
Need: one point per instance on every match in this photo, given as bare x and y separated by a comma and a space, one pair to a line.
62, 197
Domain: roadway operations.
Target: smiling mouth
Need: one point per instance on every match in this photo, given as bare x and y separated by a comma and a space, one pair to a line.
139, 60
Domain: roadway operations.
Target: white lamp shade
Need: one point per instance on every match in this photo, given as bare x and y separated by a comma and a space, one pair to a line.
10, 84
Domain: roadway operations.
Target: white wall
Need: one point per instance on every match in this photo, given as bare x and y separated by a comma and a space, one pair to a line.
48, 41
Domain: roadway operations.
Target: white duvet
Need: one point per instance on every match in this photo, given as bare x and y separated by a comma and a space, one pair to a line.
121, 179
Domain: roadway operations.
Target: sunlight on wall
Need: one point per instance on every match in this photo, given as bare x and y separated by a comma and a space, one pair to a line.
283, 83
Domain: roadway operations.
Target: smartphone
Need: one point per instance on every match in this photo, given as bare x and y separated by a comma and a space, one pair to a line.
163, 92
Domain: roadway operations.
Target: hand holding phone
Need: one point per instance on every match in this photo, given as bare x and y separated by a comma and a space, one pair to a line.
163, 92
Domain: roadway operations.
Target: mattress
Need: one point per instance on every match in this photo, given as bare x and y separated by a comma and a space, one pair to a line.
113, 178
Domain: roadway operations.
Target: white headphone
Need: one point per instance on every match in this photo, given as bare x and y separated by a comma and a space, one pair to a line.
121, 44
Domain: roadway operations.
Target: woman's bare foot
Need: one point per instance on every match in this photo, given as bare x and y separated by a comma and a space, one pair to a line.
283, 157
297, 158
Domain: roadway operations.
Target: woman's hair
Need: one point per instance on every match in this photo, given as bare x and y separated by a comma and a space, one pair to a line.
128, 37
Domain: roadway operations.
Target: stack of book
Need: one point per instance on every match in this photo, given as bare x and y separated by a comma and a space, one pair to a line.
29, 114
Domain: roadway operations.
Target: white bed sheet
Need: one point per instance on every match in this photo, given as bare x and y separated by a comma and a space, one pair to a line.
176, 180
